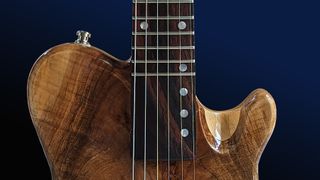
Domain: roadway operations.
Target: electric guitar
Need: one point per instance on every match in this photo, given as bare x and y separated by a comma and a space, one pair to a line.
101, 118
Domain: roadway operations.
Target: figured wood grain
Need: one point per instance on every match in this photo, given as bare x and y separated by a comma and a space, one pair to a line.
80, 103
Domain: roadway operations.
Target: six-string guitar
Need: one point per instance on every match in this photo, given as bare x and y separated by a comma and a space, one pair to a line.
101, 118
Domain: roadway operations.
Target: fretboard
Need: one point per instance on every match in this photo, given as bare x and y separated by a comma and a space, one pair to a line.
163, 71
163, 32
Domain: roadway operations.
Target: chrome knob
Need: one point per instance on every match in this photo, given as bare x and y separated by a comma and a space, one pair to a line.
83, 38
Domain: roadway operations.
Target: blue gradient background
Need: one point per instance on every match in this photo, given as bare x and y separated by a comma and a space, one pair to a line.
241, 45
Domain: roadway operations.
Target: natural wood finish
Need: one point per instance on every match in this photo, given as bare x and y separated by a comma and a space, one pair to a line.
163, 105
80, 102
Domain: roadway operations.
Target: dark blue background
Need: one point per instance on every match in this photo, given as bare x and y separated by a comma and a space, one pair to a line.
241, 45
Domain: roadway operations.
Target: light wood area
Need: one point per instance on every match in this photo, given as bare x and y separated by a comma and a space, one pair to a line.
80, 103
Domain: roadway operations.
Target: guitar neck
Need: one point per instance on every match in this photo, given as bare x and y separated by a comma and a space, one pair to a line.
163, 32
163, 79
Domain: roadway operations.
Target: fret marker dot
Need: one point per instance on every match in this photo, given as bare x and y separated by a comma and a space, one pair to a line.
184, 113
144, 25
184, 133
183, 91
182, 25
183, 67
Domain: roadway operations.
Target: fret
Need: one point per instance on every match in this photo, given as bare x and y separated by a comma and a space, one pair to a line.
162, 74
162, 62
163, 47
163, 18
163, 1
164, 33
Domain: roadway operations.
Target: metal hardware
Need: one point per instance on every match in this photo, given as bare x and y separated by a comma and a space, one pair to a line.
184, 133
162, 74
183, 91
164, 33
144, 25
183, 67
163, 61
184, 113
163, 1
163, 17
182, 25
83, 38
163, 47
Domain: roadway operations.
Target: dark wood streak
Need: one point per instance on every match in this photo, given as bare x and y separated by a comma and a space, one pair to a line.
80, 104
80, 101
176, 102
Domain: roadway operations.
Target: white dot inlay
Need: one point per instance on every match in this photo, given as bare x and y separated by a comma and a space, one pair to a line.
184, 113
182, 25
183, 91
183, 67
184, 133
144, 25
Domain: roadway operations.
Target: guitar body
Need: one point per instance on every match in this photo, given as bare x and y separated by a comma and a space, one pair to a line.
80, 103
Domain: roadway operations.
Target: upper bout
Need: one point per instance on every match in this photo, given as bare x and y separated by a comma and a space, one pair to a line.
79, 98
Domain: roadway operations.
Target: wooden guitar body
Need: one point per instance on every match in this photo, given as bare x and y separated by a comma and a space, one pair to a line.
80, 103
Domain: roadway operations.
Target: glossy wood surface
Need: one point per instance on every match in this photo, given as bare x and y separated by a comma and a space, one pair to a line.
80, 103
158, 101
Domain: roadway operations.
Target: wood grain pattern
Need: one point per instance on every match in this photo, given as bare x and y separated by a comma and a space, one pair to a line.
170, 104
80, 103
163, 105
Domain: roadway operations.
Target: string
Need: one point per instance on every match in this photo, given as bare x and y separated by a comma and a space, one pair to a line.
134, 93
157, 90
192, 94
181, 125
145, 95
168, 85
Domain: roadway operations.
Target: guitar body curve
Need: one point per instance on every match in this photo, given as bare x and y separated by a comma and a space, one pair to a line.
79, 99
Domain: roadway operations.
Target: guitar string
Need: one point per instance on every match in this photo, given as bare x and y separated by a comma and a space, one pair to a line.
157, 90
134, 94
168, 86
181, 124
192, 54
145, 93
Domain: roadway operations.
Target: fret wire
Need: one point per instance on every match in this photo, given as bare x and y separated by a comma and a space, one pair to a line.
163, 1
164, 47
162, 74
164, 18
164, 61
164, 33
